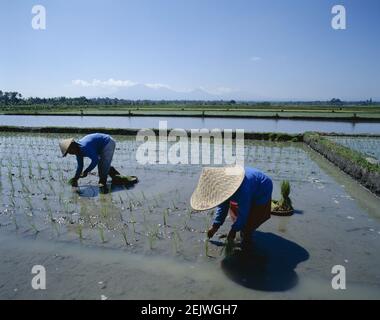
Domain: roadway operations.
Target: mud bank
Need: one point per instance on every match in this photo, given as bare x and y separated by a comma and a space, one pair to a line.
328, 116
350, 161
269, 136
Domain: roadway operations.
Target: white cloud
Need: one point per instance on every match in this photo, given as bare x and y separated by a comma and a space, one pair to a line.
255, 59
80, 83
106, 83
157, 86
112, 83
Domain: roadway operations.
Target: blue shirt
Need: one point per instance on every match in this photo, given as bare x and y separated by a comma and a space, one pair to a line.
91, 146
256, 188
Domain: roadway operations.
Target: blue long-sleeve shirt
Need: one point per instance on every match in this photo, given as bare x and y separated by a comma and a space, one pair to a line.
91, 146
256, 188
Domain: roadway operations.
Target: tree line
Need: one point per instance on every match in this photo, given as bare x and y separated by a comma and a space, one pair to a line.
14, 98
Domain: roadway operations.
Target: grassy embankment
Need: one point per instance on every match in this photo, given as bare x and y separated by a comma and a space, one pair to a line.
279, 111
348, 160
269, 136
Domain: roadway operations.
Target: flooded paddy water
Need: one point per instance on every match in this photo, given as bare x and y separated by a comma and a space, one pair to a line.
145, 242
248, 124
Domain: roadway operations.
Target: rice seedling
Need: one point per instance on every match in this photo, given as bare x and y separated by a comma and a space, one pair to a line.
133, 222
31, 223
176, 240
207, 220
60, 197
150, 241
19, 167
156, 202
30, 168
104, 212
124, 234
101, 234
165, 217
50, 171
206, 247
66, 207
15, 221
189, 213
144, 216
153, 235
80, 231
54, 225
61, 176
174, 206
39, 167
24, 186
10, 175
12, 201
29, 202
51, 218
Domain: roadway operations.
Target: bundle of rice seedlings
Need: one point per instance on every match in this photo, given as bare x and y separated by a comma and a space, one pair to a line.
285, 203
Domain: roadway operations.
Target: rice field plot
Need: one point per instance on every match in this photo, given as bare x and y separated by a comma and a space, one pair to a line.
369, 146
154, 216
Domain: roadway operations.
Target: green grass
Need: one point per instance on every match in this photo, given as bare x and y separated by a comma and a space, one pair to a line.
345, 152
207, 109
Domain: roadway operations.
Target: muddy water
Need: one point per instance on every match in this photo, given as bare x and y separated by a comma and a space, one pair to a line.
145, 242
255, 125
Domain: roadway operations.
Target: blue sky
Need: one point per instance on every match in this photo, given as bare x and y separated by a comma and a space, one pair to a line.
243, 49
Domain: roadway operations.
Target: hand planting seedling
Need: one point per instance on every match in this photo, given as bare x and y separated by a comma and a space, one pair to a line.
100, 149
228, 247
73, 182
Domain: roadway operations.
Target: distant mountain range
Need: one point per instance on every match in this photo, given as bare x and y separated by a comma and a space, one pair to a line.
145, 92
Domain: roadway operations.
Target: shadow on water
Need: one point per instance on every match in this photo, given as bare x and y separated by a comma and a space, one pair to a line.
91, 191
269, 267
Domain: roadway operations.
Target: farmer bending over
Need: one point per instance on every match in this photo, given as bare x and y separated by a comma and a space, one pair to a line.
245, 194
99, 148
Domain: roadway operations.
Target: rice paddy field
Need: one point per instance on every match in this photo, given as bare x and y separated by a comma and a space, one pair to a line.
369, 146
145, 241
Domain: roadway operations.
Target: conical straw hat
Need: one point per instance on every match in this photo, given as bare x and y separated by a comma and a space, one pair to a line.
64, 145
215, 186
